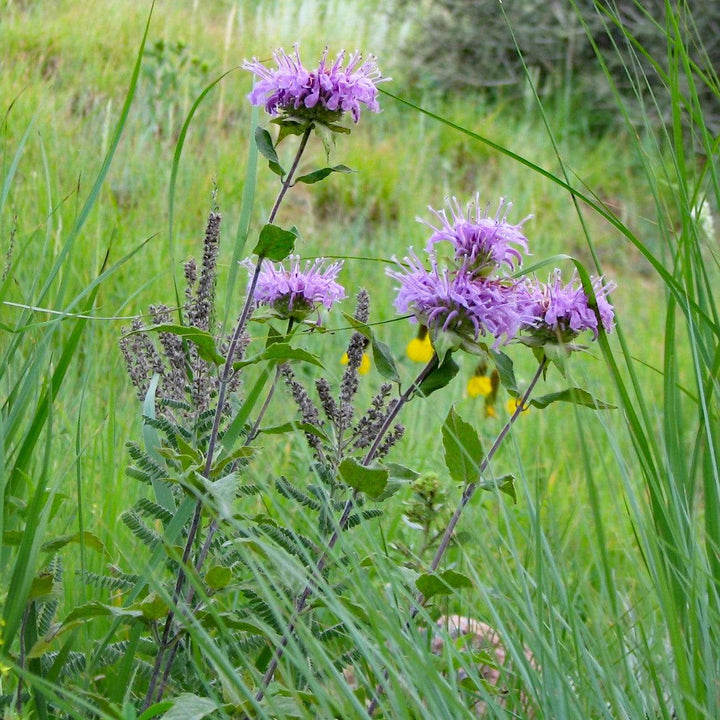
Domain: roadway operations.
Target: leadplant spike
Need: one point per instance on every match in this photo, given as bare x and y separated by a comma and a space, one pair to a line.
138, 528
287, 489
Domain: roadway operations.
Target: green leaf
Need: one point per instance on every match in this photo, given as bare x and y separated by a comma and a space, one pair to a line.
577, 396
202, 339
153, 607
430, 584
153, 711
190, 707
368, 480
97, 609
463, 451
275, 243
384, 361
505, 483
280, 352
289, 126
221, 493
399, 477
218, 577
42, 585
265, 146
242, 453
284, 351
321, 174
439, 377
86, 538
400, 472
505, 369
364, 329
294, 426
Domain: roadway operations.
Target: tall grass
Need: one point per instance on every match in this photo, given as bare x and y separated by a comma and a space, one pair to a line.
607, 568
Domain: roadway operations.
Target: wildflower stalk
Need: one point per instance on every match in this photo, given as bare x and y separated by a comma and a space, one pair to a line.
342, 522
155, 689
214, 525
468, 492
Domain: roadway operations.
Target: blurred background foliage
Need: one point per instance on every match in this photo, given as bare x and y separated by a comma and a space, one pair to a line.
456, 46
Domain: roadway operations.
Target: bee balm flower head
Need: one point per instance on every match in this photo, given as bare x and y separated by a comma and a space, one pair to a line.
561, 311
482, 243
453, 301
295, 292
323, 94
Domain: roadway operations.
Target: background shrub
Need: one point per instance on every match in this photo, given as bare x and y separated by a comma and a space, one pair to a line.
456, 46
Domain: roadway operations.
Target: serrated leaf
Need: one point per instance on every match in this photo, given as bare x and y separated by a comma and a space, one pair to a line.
384, 361
368, 480
463, 451
203, 340
265, 147
218, 577
439, 377
577, 396
505, 483
506, 371
275, 243
431, 584
322, 173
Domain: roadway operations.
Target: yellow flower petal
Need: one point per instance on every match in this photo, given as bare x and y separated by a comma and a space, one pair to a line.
420, 350
513, 403
479, 385
364, 368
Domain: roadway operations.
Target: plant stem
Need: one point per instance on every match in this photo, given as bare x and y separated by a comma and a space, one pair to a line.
468, 492
342, 522
214, 525
223, 385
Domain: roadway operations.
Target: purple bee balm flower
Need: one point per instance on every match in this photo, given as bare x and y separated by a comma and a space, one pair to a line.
481, 242
456, 302
323, 94
561, 311
295, 292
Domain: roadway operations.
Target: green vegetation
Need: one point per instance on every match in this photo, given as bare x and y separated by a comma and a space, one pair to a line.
606, 568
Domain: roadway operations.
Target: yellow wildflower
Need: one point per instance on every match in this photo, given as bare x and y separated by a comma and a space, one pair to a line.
420, 350
513, 404
479, 385
364, 368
